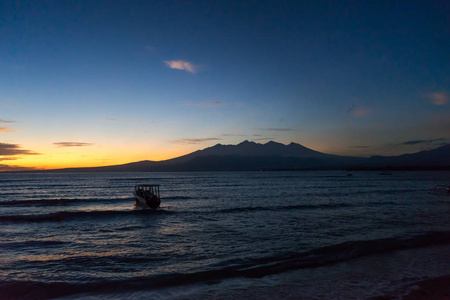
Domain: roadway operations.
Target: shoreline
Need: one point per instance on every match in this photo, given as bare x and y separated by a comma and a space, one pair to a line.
409, 274
436, 288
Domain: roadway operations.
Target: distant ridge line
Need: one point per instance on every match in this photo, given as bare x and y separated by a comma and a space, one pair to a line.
251, 156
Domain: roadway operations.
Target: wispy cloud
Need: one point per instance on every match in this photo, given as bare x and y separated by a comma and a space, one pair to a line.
439, 141
6, 129
71, 144
204, 104
263, 139
5, 168
360, 147
357, 111
13, 150
231, 134
361, 112
438, 98
194, 141
180, 65
275, 129
350, 109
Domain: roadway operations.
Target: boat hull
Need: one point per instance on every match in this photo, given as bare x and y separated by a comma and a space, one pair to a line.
150, 201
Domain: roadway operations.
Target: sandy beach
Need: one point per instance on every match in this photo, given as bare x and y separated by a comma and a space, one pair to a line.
431, 289
436, 289
412, 274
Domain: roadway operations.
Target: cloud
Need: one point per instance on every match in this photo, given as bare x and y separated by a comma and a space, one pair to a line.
13, 149
71, 144
360, 147
263, 139
350, 109
276, 129
194, 141
357, 111
438, 98
361, 112
439, 141
180, 65
205, 104
8, 158
6, 168
6, 129
231, 134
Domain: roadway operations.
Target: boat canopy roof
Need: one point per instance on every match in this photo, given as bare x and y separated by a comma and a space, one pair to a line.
152, 188
146, 185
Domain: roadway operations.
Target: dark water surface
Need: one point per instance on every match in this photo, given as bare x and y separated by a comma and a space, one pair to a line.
73, 234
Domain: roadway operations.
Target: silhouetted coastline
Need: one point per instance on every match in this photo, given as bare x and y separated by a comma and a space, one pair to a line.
250, 156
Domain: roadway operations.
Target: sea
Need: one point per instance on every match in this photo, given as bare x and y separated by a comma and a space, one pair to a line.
222, 235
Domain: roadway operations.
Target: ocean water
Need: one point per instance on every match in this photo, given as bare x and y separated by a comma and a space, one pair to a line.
230, 235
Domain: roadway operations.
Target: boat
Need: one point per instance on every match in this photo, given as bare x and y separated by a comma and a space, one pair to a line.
440, 189
147, 195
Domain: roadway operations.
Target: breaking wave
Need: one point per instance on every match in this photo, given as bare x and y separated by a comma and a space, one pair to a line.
255, 268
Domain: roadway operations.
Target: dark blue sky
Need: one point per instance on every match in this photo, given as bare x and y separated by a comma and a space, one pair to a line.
342, 77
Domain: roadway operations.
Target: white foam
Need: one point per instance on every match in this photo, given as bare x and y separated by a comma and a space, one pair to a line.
356, 279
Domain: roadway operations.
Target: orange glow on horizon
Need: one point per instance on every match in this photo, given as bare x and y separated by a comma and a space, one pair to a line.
86, 157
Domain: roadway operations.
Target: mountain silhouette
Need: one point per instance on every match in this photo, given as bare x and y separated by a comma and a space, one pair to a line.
251, 156
430, 158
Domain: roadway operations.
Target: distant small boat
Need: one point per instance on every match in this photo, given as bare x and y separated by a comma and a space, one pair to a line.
385, 173
440, 189
147, 195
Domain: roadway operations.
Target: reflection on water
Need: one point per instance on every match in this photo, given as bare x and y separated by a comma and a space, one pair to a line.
84, 228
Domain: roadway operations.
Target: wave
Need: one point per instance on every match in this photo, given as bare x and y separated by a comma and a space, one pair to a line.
255, 268
32, 243
178, 198
71, 215
287, 207
60, 201
137, 180
13, 180
305, 206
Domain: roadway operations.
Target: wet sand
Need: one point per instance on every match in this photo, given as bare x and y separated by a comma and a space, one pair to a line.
430, 289
435, 289
390, 276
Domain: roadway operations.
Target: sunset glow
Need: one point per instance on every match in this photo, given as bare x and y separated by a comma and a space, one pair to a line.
102, 83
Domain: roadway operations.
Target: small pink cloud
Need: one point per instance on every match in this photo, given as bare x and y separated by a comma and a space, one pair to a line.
181, 65
358, 111
362, 112
6, 129
71, 144
438, 98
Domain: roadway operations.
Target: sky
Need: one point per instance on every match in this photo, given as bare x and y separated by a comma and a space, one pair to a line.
94, 83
